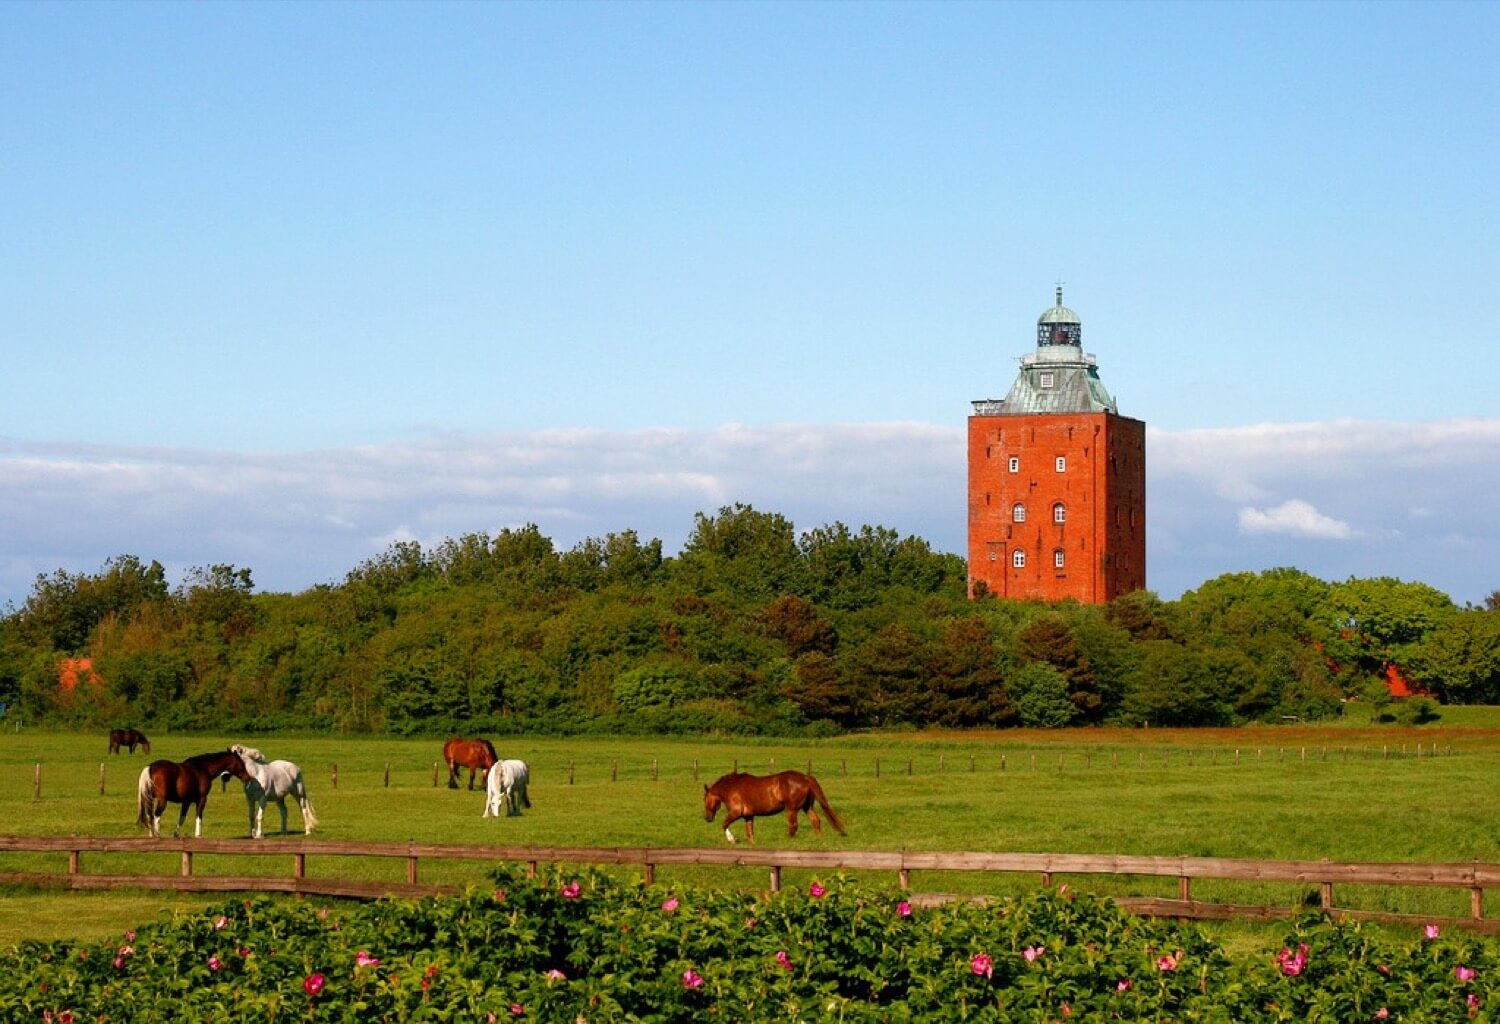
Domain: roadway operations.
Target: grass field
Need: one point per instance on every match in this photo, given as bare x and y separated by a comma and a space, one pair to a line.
1347, 792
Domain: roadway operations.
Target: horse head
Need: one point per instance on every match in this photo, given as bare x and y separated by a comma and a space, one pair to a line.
711, 804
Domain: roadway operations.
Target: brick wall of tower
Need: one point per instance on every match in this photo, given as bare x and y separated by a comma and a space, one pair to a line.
1094, 548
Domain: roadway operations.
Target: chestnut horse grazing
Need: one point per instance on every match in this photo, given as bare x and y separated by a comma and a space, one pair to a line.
187, 782
475, 755
130, 738
748, 796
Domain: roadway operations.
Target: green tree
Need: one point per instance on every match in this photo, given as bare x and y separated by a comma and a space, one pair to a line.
1041, 696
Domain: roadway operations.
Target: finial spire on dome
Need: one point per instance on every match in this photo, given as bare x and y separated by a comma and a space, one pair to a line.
1059, 293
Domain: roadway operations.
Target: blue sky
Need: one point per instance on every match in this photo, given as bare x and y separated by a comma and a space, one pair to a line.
284, 282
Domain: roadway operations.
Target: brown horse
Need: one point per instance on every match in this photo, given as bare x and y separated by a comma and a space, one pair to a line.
130, 738
747, 796
475, 755
187, 783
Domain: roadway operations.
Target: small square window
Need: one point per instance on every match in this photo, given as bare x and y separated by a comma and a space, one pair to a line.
1045, 379
1062, 463
1015, 464
1018, 559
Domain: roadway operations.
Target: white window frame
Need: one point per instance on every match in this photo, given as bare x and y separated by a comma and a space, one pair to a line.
1018, 512
1046, 380
1018, 559
1059, 559
1062, 463
1015, 464
1059, 513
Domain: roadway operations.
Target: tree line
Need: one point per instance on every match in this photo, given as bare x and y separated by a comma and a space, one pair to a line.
752, 628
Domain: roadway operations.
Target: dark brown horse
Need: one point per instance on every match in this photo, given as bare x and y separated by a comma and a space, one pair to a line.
187, 783
748, 796
475, 755
130, 738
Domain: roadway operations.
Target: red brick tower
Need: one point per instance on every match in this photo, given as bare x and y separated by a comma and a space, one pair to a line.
1057, 479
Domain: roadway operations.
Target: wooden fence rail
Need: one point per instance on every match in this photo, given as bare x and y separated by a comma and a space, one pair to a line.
1474, 877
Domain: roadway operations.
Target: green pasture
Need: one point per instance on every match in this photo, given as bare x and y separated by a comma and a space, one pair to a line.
1347, 792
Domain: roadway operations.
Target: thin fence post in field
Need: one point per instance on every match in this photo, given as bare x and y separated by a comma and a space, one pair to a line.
1114, 759
434, 774
1059, 764
1033, 762
809, 766
653, 769
971, 764
736, 766
1140, 759
1002, 762
335, 776
1325, 753
695, 769
1236, 755
1304, 753
614, 770
773, 766
1325, 892
101, 778
775, 877
908, 766
1258, 753
570, 771
36, 792
877, 767
387, 775
940, 764
1088, 759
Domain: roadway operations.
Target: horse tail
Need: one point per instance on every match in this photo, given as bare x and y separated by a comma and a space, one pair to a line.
145, 798
833, 818
309, 819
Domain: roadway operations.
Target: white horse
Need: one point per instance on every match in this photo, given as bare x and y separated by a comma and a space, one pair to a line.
276, 781
506, 784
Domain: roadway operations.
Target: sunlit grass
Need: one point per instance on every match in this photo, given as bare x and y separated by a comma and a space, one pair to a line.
1345, 793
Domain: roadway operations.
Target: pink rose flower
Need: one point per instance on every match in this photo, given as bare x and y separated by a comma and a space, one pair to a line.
903, 908
1032, 952
313, 984
1463, 973
516, 1009
220, 923
364, 959
1166, 963
783, 959
982, 965
1382, 1013
691, 979
556, 975
1123, 985
670, 904
571, 891
1430, 932
816, 891
214, 963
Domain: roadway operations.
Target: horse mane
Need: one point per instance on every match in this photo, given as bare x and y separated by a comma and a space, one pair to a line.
248, 753
491, 748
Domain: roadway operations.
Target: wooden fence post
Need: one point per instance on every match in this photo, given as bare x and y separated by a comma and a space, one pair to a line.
653, 769
695, 769
36, 792
335, 776
908, 766
434, 774
775, 877
877, 768
1325, 892
614, 770
809, 766
387, 775
101, 778
411, 863
570, 773
1002, 762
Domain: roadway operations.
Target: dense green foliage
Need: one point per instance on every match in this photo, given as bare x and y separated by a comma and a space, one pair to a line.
752, 628
580, 947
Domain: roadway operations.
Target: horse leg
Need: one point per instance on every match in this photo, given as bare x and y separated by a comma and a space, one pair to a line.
791, 821
281, 805
180, 819
452, 774
749, 830
730, 818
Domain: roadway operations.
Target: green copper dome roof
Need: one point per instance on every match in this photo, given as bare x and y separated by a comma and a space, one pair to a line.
1058, 314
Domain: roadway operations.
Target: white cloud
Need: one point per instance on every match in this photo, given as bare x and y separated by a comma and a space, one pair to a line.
1294, 519
1219, 500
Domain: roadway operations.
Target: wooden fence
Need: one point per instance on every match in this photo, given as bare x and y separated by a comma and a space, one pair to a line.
1474, 877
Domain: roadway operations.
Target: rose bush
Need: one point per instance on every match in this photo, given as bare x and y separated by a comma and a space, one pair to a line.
580, 946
